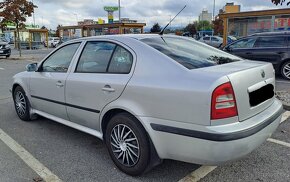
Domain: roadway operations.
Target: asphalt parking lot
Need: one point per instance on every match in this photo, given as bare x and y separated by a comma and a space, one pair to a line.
60, 153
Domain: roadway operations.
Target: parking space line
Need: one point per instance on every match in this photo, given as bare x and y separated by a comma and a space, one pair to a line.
198, 174
278, 142
285, 116
2, 69
282, 81
33, 163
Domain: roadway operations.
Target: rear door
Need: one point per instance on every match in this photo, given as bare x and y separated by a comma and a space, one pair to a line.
242, 48
270, 49
101, 74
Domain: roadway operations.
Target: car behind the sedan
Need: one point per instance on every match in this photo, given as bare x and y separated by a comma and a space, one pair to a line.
152, 97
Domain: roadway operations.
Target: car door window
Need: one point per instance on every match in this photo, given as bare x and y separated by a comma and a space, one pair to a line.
214, 39
121, 61
96, 57
244, 43
206, 38
271, 42
60, 60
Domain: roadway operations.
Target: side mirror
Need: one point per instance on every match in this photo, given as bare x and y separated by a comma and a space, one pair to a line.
31, 67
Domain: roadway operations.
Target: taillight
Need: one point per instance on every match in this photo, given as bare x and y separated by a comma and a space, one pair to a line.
223, 102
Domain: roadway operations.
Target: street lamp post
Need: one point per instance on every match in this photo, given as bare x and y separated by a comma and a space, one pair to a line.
33, 16
119, 3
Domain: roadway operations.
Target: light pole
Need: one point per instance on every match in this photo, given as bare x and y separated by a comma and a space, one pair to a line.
213, 11
119, 3
33, 16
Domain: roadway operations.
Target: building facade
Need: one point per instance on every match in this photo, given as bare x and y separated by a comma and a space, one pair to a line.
205, 16
232, 8
246, 23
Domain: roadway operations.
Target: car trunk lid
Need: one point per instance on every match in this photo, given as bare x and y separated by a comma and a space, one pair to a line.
253, 84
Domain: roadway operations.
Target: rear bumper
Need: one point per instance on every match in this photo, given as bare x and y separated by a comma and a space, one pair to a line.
213, 145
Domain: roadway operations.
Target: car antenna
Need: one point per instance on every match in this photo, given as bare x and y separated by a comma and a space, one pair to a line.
162, 31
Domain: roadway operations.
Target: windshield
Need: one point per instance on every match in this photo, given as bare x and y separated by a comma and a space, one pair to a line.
189, 53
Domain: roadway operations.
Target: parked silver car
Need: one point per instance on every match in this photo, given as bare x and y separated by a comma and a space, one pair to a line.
214, 41
152, 97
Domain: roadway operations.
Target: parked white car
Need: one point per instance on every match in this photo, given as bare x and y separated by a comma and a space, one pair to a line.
214, 41
52, 42
152, 97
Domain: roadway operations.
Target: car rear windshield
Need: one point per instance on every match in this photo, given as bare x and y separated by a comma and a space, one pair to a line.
190, 53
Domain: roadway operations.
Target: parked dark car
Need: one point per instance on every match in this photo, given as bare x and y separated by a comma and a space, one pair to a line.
5, 49
273, 47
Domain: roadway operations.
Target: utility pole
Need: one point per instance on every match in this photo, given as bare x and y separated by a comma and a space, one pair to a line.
213, 14
119, 2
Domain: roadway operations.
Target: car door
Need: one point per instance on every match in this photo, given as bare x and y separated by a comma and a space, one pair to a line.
271, 49
100, 76
242, 48
48, 83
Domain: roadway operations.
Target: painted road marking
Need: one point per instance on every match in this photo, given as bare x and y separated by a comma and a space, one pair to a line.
33, 163
285, 116
278, 81
198, 174
278, 142
2, 69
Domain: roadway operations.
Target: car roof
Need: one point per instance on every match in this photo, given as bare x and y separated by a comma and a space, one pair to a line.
119, 36
271, 33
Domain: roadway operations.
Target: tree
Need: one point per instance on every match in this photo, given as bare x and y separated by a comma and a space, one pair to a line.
280, 2
16, 11
203, 25
58, 30
191, 29
155, 28
218, 26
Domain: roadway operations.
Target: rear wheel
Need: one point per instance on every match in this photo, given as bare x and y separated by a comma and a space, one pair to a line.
128, 144
21, 104
285, 70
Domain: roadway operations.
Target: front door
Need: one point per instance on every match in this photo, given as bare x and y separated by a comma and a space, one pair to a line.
242, 48
103, 70
48, 83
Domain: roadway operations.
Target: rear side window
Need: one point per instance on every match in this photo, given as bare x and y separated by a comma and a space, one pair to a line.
243, 44
104, 57
189, 53
271, 42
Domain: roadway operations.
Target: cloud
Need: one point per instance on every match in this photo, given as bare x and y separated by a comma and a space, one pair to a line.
54, 12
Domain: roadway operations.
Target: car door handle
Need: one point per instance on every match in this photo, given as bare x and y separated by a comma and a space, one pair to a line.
59, 84
107, 88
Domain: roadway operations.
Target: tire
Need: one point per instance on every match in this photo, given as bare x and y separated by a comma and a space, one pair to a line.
134, 155
21, 104
285, 70
7, 56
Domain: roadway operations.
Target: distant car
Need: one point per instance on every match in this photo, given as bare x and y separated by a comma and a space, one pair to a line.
5, 49
153, 97
214, 41
52, 42
271, 47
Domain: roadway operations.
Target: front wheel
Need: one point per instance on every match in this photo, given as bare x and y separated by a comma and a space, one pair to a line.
285, 70
128, 144
21, 104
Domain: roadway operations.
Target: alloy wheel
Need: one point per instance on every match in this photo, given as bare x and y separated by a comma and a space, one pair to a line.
286, 70
20, 103
125, 145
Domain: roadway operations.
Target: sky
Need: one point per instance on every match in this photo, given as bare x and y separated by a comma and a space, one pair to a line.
50, 13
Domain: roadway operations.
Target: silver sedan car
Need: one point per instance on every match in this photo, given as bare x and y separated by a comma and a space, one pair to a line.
152, 97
